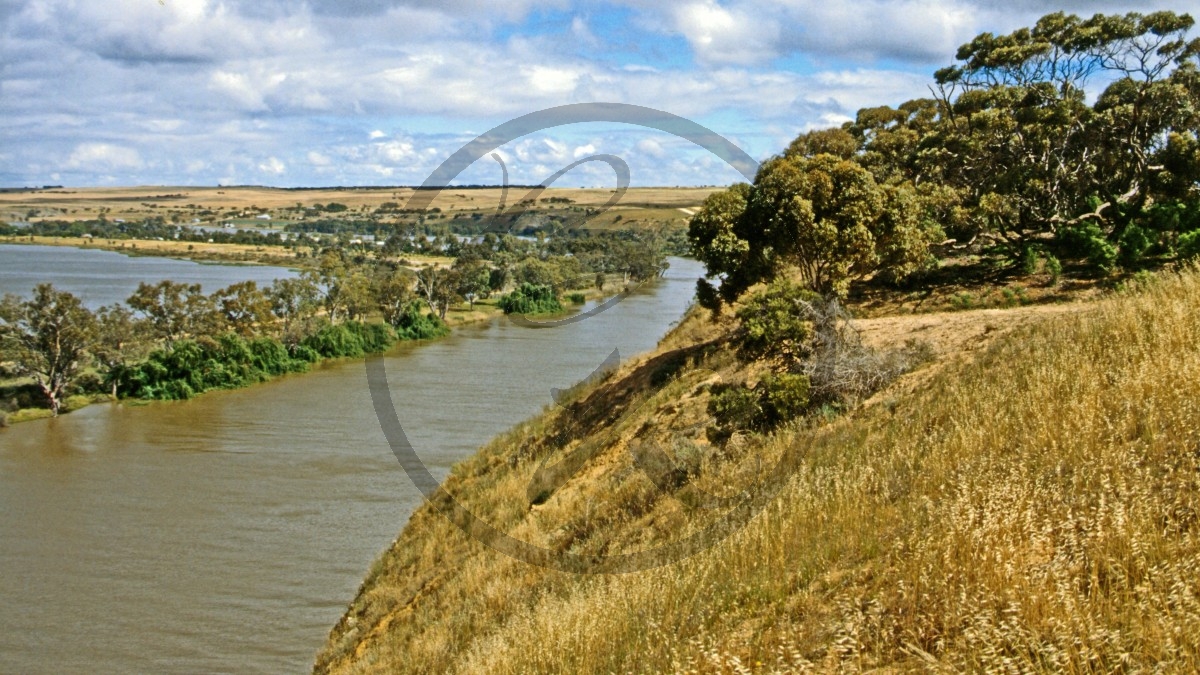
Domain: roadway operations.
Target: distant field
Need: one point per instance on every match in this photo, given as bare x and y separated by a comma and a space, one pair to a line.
646, 206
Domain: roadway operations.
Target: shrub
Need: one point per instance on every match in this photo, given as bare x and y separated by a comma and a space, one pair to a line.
577, 298
196, 366
776, 399
333, 341
784, 397
416, 324
305, 353
1189, 245
777, 323
530, 299
1053, 268
351, 339
734, 408
1134, 243
1088, 240
1029, 260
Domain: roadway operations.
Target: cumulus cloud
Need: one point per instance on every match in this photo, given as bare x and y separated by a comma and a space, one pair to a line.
722, 35
278, 92
272, 166
103, 157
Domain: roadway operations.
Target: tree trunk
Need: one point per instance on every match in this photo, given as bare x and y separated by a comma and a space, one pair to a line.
51, 396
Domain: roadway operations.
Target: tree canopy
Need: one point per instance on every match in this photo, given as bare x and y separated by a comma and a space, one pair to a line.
1008, 154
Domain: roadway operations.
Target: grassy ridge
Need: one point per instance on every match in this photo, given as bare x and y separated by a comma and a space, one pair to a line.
1034, 509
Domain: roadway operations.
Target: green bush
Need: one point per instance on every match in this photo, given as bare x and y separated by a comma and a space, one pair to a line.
734, 408
1189, 245
1029, 260
531, 299
305, 353
577, 298
351, 339
784, 397
1134, 243
778, 398
1053, 268
1089, 241
333, 341
776, 323
416, 324
195, 366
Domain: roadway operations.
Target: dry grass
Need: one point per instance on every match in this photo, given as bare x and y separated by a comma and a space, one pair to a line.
1031, 509
648, 204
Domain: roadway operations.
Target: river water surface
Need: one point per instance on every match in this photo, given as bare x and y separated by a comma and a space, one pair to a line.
105, 277
228, 533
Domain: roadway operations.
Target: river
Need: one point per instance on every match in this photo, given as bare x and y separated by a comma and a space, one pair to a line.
228, 533
106, 277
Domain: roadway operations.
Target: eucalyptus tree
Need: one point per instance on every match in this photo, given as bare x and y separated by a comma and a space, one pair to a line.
47, 338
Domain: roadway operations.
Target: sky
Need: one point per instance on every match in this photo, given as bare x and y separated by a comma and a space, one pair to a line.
380, 92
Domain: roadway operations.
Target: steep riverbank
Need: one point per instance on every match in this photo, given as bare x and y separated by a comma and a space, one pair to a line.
225, 533
1027, 501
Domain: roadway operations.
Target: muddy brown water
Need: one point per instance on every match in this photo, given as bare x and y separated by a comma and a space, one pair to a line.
228, 533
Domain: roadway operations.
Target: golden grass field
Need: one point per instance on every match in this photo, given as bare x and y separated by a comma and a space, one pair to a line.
1029, 502
653, 204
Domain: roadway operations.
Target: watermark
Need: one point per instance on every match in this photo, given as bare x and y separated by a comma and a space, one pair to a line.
731, 511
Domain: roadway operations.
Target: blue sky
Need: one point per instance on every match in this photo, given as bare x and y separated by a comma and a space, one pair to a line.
379, 92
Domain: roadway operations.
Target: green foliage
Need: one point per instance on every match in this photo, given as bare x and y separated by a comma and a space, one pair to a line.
414, 323
776, 323
734, 408
48, 338
824, 217
785, 396
577, 298
1029, 260
174, 310
530, 299
776, 399
1053, 268
192, 367
1189, 245
1133, 244
1090, 241
350, 339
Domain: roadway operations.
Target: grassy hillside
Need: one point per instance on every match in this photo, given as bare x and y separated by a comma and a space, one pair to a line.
1030, 506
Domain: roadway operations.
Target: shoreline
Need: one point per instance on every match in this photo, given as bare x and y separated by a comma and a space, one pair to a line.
484, 311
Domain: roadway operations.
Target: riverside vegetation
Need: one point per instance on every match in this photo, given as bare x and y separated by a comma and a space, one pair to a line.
171, 341
1024, 500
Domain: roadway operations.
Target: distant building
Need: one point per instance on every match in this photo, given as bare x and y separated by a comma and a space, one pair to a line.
263, 216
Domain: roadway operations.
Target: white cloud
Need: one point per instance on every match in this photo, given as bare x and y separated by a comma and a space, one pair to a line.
201, 90
103, 156
238, 87
550, 80
651, 147
273, 166
721, 35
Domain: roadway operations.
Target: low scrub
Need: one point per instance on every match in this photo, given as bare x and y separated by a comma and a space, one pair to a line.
531, 299
351, 339
192, 367
414, 323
